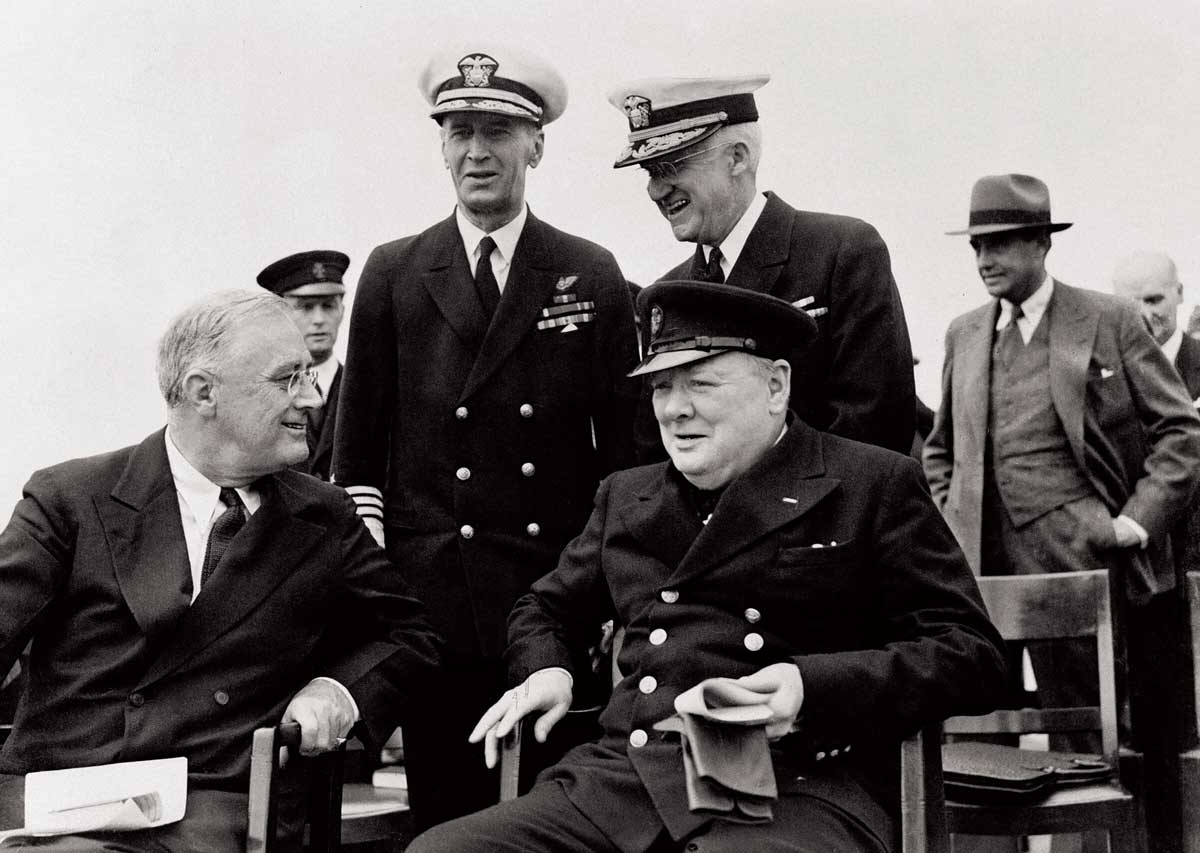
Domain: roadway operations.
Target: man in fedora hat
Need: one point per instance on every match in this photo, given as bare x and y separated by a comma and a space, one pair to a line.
311, 284
699, 141
1065, 440
810, 572
485, 396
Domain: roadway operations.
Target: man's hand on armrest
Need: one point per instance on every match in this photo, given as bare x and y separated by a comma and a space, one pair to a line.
546, 690
325, 713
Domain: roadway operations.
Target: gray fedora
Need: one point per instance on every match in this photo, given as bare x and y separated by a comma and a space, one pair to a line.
1009, 203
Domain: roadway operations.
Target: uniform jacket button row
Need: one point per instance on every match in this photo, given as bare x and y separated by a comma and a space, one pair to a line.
833, 753
467, 531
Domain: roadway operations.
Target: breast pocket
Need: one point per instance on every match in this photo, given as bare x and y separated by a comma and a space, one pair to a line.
816, 588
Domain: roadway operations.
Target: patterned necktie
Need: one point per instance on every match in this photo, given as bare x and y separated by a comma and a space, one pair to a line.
485, 280
223, 530
1009, 342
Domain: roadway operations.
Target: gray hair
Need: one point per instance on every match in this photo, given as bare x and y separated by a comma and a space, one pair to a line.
200, 336
749, 133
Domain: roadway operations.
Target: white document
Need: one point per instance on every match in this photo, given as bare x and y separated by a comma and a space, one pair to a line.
126, 796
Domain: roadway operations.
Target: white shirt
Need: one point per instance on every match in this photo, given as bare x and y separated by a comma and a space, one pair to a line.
1034, 307
506, 237
325, 373
1171, 345
199, 506
735, 240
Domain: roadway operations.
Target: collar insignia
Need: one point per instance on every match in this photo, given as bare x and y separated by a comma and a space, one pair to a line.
477, 70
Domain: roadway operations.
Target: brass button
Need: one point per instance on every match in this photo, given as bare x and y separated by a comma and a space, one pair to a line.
753, 642
221, 697
463, 474
137, 700
527, 469
648, 684
467, 531
657, 637
752, 615
638, 738
670, 596
526, 410
533, 528
461, 413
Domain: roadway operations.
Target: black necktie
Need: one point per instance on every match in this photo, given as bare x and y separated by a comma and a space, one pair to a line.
485, 280
713, 271
316, 416
1009, 341
223, 530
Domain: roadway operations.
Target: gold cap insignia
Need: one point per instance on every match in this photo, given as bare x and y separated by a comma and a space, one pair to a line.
477, 69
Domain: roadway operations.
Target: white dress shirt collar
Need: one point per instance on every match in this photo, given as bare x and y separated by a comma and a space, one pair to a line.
735, 240
506, 237
1172, 344
1033, 307
326, 371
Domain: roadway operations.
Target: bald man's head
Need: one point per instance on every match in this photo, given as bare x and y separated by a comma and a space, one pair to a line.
1150, 280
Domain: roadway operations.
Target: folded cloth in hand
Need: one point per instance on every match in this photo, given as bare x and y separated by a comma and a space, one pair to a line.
726, 756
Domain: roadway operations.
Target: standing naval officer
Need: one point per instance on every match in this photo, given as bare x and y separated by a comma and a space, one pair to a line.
485, 396
311, 284
700, 142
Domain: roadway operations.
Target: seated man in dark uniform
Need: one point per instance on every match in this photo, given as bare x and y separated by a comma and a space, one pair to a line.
811, 570
184, 591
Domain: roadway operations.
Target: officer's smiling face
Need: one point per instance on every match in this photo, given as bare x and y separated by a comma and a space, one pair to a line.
717, 416
487, 156
697, 195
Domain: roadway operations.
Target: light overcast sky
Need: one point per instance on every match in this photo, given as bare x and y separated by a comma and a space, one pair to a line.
157, 151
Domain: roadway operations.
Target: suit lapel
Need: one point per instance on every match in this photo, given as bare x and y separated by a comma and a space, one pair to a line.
766, 250
449, 283
659, 518
784, 485
324, 443
531, 280
972, 370
1072, 339
265, 552
145, 538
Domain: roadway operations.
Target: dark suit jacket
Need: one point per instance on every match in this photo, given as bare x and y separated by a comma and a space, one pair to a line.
1187, 362
94, 567
856, 380
487, 442
1129, 421
884, 622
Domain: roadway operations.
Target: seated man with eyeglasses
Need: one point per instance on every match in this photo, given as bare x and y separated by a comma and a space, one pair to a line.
184, 591
699, 141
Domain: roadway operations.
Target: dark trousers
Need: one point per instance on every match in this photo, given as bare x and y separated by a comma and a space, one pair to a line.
446, 774
546, 821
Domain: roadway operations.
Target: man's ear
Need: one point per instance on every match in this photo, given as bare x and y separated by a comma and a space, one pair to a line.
539, 146
200, 392
779, 386
741, 158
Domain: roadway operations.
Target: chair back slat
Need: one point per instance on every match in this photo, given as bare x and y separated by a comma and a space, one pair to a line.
1018, 721
1044, 607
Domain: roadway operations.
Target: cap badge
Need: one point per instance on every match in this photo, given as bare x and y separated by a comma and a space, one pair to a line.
318, 271
656, 320
477, 69
638, 110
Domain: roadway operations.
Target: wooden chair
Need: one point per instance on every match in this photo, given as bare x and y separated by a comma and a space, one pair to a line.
337, 813
1043, 607
1189, 763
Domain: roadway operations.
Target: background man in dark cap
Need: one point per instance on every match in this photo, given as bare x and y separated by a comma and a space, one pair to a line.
700, 142
311, 283
184, 591
485, 397
807, 569
1065, 440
